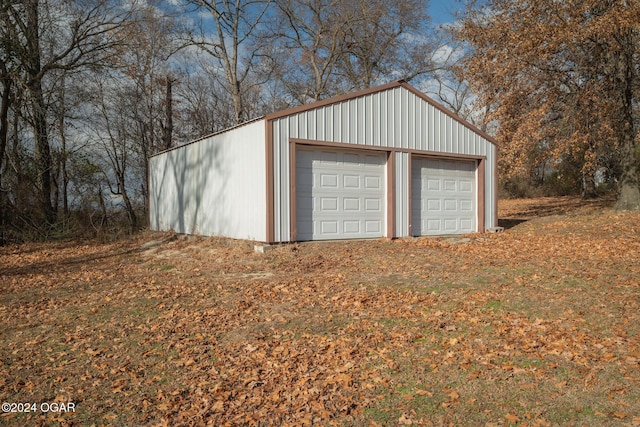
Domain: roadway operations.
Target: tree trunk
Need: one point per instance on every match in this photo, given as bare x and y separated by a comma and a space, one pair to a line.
167, 129
64, 177
43, 152
629, 189
589, 190
4, 113
236, 96
629, 195
42, 149
133, 219
103, 208
4, 133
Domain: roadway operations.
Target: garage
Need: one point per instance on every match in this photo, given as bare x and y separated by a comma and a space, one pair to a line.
383, 162
443, 196
340, 194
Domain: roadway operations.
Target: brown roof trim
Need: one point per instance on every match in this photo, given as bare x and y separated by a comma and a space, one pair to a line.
334, 100
248, 122
446, 111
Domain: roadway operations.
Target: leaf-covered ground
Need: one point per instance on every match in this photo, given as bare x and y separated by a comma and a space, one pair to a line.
536, 326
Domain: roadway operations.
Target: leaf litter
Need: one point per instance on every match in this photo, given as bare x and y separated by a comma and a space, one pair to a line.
534, 326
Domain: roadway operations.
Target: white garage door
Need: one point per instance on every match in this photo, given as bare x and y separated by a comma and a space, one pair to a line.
339, 194
443, 196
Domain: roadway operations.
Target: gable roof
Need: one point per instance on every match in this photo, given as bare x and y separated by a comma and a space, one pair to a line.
341, 98
395, 84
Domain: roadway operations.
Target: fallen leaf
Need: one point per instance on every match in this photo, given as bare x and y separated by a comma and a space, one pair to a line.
404, 420
512, 418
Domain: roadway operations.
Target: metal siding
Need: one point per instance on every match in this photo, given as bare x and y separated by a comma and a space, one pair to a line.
382, 123
277, 203
375, 124
285, 224
358, 136
344, 120
368, 122
329, 126
434, 138
281, 191
402, 194
402, 120
320, 124
389, 120
395, 138
212, 187
424, 111
409, 121
309, 125
394, 118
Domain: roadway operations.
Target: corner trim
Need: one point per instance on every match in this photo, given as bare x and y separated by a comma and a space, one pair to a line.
480, 185
293, 213
391, 194
270, 232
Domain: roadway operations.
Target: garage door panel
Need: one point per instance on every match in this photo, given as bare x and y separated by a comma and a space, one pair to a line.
329, 204
352, 181
351, 226
449, 185
329, 227
443, 196
451, 205
433, 205
373, 205
433, 184
466, 186
329, 180
372, 182
434, 224
373, 226
351, 204
451, 225
348, 198
466, 225
466, 206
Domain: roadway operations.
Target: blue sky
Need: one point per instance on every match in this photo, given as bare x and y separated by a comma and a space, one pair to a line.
443, 11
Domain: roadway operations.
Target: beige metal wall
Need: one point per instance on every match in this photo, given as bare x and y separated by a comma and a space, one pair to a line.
212, 187
402, 193
396, 118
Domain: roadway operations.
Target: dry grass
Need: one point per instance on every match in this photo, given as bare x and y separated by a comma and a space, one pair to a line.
538, 325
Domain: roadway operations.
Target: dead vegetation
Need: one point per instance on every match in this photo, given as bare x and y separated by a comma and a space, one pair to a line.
538, 325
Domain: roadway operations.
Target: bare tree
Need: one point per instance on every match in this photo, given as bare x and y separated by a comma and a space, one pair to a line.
204, 106
233, 46
115, 129
48, 35
385, 39
309, 41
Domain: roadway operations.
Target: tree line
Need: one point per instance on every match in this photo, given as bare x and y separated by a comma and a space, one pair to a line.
560, 84
91, 89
